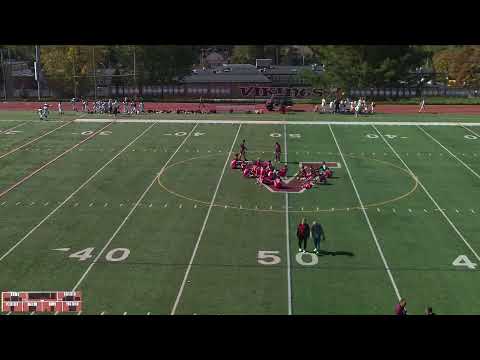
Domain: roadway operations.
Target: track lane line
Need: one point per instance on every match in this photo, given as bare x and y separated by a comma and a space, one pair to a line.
34, 140
21, 181
379, 248
75, 192
429, 195
133, 209
187, 272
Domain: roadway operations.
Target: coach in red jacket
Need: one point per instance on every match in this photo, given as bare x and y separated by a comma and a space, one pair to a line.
303, 233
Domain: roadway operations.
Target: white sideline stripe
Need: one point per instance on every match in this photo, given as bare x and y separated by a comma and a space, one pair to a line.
452, 154
281, 122
12, 128
133, 208
387, 268
180, 291
428, 194
73, 194
287, 233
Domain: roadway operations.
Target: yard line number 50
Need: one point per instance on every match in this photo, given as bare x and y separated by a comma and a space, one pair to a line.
268, 257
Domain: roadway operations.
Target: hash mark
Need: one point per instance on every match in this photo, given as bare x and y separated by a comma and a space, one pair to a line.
457, 211
409, 210
102, 313
125, 313
46, 203
180, 206
106, 204
33, 203
148, 313
80, 312
378, 209
394, 210
195, 206
166, 204
473, 211
18, 203
76, 204
91, 204
226, 206
121, 205
150, 205
425, 210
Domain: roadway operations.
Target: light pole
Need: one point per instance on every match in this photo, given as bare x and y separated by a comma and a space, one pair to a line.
37, 70
4, 77
94, 74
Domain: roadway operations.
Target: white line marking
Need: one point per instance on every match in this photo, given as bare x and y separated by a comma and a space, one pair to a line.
150, 205
180, 206
378, 209
106, 204
452, 154
32, 141
166, 204
102, 313
91, 204
62, 249
80, 312
457, 211
7, 130
74, 193
387, 268
56, 313
18, 203
9, 313
430, 196
46, 203
25, 178
425, 210
473, 211
76, 204
174, 308
133, 209
125, 313
148, 313
287, 232
194, 206
283, 122
410, 210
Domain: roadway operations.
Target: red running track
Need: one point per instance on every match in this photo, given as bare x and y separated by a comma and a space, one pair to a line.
221, 108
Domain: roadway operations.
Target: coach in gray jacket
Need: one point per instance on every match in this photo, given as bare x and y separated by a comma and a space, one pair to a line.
317, 235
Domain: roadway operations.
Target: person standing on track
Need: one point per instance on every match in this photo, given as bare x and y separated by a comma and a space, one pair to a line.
278, 152
303, 233
422, 106
318, 235
60, 109
243, 149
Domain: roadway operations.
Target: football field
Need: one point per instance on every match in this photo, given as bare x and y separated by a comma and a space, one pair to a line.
145, 216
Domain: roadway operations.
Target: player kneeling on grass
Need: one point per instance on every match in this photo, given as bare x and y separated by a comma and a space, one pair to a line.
283, 171
326, 170
277, 183
235, 162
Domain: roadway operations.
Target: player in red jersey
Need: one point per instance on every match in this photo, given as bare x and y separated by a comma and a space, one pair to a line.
326, 170
278, 152
283, 171
243, 149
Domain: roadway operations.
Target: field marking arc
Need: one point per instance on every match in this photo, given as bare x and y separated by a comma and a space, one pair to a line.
74, 193
429, 195
187, 272
205, 203
95, 260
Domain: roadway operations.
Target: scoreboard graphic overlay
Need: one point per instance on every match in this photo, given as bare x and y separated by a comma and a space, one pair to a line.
41, 301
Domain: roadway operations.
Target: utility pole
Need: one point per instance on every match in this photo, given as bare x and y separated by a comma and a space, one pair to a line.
37, 69
74, 74
4, 77
94, 73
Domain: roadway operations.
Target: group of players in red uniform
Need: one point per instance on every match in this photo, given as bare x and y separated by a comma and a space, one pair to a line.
266, 173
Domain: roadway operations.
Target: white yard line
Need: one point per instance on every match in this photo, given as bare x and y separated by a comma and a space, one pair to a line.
133, 208
379, 248
21, 181
428, 194
281, 122
34, 140
180, 291
13, 128
74, 193
451, 154
471, 131
287, 232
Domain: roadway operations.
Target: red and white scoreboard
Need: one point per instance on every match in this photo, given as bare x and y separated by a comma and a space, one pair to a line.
41, 301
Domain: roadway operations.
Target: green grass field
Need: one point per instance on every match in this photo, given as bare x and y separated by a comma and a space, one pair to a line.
156, 222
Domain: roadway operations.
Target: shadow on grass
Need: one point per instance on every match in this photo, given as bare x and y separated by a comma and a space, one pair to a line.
333, 253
